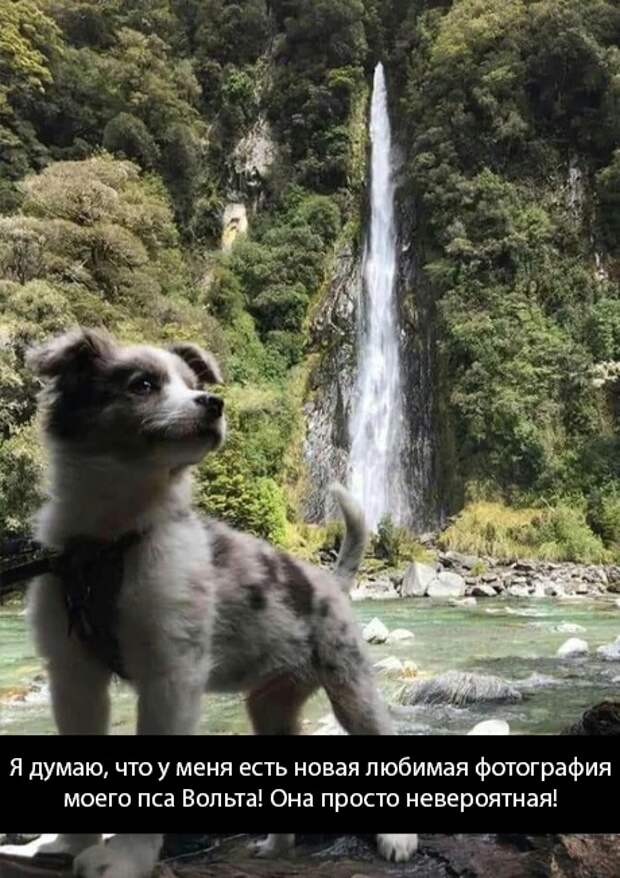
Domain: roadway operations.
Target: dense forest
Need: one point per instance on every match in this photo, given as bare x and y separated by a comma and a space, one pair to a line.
138, 138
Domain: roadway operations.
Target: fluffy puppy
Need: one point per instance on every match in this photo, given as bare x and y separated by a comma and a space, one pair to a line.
177, 604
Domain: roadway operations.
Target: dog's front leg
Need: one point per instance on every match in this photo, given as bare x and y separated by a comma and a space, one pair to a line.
169, 704
122, 856
79, 689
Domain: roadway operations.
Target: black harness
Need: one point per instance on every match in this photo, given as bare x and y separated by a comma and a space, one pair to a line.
91, 573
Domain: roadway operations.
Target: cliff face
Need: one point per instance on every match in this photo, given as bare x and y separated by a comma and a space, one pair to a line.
331, 383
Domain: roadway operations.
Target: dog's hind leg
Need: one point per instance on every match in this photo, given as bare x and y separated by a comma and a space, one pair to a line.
275, 709
361, 710
357, 704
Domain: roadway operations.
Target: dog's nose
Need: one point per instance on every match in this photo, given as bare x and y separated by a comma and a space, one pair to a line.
213, 405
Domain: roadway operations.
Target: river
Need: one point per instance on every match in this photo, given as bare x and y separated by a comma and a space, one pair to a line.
514, 639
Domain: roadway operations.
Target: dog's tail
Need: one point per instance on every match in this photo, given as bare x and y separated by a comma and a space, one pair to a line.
354, 539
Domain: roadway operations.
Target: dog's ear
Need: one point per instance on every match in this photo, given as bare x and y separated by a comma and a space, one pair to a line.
201, 362
78, 350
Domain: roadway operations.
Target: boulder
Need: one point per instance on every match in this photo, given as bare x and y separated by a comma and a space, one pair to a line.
491, 727
602, 719
573, 647
460, 560
375, 631
483, 591
610, 651
459, 687
400, 634
447, 585
417, 579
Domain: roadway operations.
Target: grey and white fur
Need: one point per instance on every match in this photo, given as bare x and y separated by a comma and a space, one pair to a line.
202, 607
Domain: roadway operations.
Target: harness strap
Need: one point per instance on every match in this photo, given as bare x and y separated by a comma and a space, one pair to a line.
91, 573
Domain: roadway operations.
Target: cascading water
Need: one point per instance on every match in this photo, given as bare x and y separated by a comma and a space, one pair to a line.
376, 471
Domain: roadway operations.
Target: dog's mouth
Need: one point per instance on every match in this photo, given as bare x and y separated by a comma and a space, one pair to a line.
209, 433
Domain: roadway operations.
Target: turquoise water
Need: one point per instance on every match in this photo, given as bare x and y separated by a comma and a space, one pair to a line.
513, 639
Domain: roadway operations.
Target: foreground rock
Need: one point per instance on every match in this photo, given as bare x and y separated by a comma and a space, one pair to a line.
458, 687
440, 856
603, 719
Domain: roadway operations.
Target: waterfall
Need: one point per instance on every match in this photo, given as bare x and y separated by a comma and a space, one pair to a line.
376, 471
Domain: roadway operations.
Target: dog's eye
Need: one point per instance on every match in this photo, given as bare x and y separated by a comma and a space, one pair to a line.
142, 385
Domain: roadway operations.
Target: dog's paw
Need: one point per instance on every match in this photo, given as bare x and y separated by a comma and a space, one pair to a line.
275, 845
398, 847
105, 861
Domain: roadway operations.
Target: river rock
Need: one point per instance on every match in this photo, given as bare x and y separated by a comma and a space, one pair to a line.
375, 631
610, 651
400, 634
459, 687
391, 666
447, 585
483, 591
518, 591
491, 727
463, 602
573, 647
569, 628
417, 579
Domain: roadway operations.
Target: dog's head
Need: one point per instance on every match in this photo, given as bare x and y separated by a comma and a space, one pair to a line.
139, 401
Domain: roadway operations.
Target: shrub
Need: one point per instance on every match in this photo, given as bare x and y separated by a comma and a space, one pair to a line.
555, 533
21, 477
394, 544
255, 505
128, 137
562, 532
605, 517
